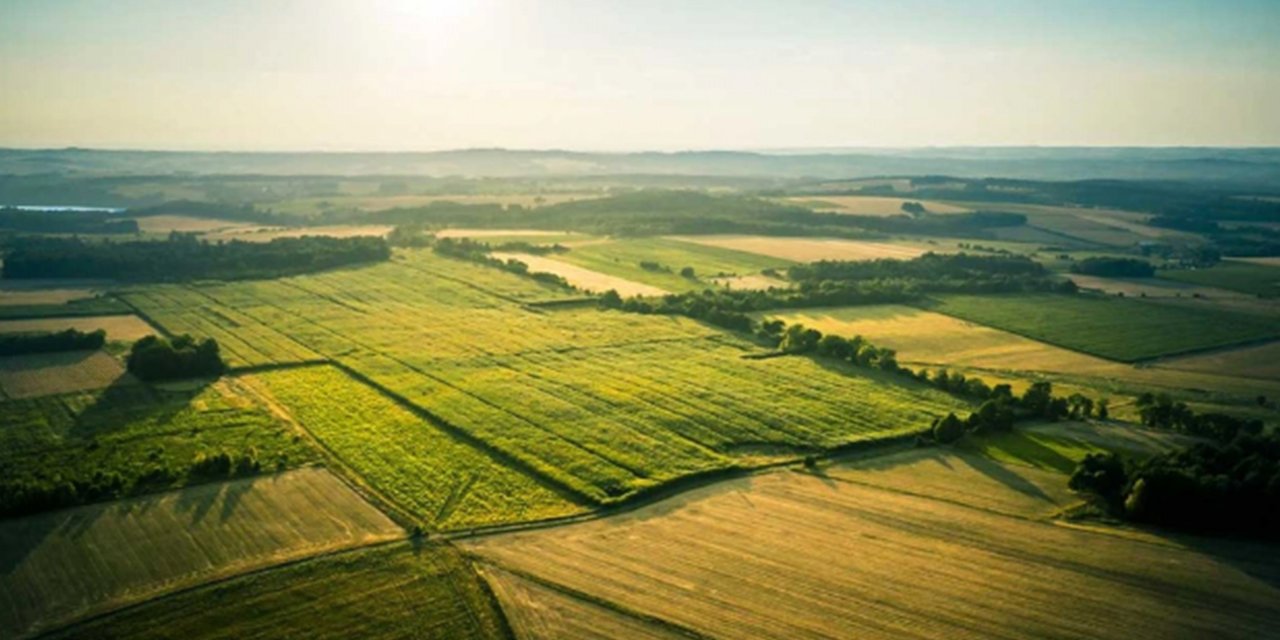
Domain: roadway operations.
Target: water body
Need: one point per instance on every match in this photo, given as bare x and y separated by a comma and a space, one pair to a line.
56, 208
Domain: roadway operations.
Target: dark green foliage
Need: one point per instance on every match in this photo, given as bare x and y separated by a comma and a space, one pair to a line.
1162, 412
993, 415
948, 429
70, 340
474, 251
183, 257
156, 358
97, 306
688, 272
913, 208
1102, 474
65, 221
1114, 268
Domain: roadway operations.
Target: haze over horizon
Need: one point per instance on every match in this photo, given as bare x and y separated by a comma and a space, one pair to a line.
397, 75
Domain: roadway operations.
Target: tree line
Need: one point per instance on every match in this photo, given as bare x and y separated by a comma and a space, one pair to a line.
184, 257
1114, 267
13, 344
474, 251
16, 219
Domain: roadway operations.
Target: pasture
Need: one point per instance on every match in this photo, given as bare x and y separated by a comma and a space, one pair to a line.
623, 257
580, 277
42, 374
598, 404
65, 565
164, 224
442, 482
797, 555
124, 328
1259, 280
267, 234
141, 437
394, 591
869, 205
1113, 328
808, 249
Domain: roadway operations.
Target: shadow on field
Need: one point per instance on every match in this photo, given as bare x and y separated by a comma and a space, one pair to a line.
126, 401
1005, 476
19, 537
1258, 559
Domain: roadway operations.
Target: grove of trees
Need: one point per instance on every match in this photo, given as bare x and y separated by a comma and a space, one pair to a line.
12, 344
156, 358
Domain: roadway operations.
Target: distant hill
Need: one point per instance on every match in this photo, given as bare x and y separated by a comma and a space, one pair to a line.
1252, 166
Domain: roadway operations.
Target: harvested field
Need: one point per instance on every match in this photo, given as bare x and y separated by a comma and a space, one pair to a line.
11, 297
538, 612
623, 258
755, 282
395, 591
808, 249
267, 234
185, 224
42, 374
65, 565
1259, 361
125, 328
869, 205
582, 278
793, 555
533, 235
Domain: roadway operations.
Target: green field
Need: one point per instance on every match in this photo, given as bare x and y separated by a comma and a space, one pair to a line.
598, 404
129, 439
1246, 277
443, 482
396, 592
1113, 328
622, 258
96, 306
61, 566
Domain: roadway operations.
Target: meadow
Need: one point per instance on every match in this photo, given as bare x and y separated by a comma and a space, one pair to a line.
622, 258
394, 591
1246, 277
62, 566
585, 279
800, 555
1113, 328
444, 483
597, 404
870, 205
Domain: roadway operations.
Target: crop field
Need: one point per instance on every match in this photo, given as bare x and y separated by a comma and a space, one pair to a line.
869, 205
1113, 328
622, 258
797, 555
538, 612
757, 283
1267, 262
1096, 226
533, 236
77, 306
125, 328
267, 234
185, 224
808, 249
64, 565
53, 294
443, 482
1254, 279
396, 591
581, 277
42, 374
1259, 361
599, 404
377, 202
148, 436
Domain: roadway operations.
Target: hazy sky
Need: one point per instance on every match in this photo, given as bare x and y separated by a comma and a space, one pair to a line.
636, 74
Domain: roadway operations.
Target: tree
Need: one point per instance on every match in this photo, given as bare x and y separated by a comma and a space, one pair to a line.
1102, 474
610, 299
688, 272
1038, 398
948, 429
1104, 412
913, 208
799, 339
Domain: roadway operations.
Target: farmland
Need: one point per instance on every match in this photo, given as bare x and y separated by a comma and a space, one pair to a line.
395, 591
441, 481
1113, 328
42, 374
126, 328
1254, 279
132, 438
623, 258
267, 234
808, 249
585, 279
790, 555
69, 564
600, 404
870, 205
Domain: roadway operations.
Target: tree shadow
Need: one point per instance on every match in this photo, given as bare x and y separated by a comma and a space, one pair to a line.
1005, 476
127, 401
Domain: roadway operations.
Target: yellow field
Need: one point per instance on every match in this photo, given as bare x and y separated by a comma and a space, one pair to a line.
794, 555
535, 234
185, 224
42, 374
757, 282
267, 234
869, 205
1270, 262
808, 249
54, 294
1261, 361
122, 328
928, 338
581, 277
538, 612
64, 565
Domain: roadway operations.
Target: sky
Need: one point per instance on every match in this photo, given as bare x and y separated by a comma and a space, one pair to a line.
396, 75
